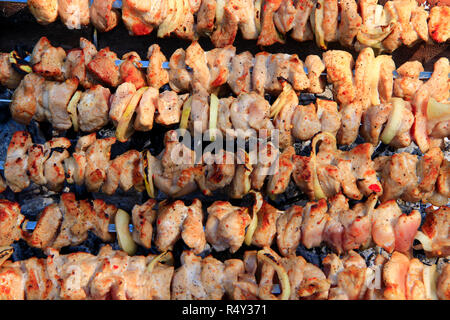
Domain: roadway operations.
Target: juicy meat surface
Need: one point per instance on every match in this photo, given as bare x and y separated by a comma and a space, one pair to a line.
74, 13
16, 163
93, 108
225, 226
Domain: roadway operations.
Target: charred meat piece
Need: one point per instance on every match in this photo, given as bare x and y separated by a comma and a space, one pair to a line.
25, 100
10, 223
438, 23
103, 16
157, 76
16, 164
47, 60
198, 279
143, 217
225, 226
97, 163
130, 70
45, 11
74, 13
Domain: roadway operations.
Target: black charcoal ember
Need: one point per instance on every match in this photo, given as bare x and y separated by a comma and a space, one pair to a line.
119, 41
313, 255
7, 130
23, 251
303, 148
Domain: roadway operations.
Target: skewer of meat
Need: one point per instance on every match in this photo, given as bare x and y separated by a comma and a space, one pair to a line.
176, 171
189, 67
366, 97
115, 275
397, 277
228, 227
354, 24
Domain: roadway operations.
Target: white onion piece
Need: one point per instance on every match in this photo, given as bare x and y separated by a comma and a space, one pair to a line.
316, 19
258, 13
438, 110
374, 79
165, 256
318, 191
5, 253
72, 109
266, 257
254, 223
430, 277
148, 178
171, 22
125, 126
220, 10
124, 237
282, 99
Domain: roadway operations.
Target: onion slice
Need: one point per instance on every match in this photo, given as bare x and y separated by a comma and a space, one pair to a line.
438, 110
220, 11
267, 257
430, 277
213, 114
124, 237
248, 171
147, 173
5, 253
185, 113
166, 256
254, 211
170, 23
427, 243
125, 126
395, 120
316, 19
318, 191
258, 13
243, 169
72, 109
282, 99
370, 207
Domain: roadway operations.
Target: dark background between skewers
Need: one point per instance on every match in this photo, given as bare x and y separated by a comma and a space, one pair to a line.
19, 28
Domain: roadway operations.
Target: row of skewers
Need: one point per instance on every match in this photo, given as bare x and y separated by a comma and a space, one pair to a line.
396, 111
397, 108
117, 275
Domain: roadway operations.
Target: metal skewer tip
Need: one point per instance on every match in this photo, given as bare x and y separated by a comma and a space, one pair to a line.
31, 225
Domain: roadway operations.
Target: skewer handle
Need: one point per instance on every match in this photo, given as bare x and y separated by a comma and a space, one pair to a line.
31, 225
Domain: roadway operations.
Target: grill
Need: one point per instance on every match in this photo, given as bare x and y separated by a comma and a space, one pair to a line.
20, 31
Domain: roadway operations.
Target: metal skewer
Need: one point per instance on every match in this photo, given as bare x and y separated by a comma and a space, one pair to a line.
31, 225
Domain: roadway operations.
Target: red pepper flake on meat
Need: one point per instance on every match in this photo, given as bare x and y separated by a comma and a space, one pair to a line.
375, 188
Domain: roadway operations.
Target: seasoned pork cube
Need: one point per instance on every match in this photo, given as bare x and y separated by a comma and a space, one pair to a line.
93, 108
157, 76
103, 17
9, 77
16, 164
74, 13
45, 11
